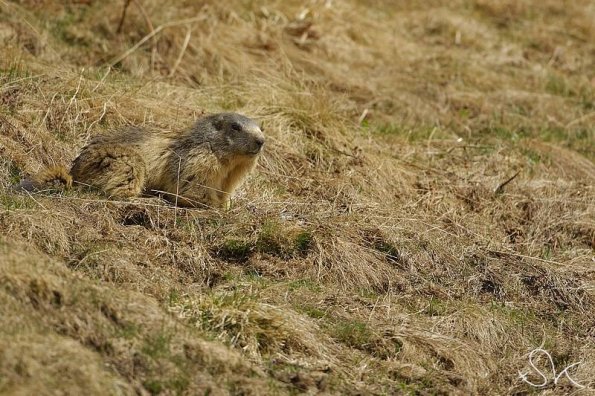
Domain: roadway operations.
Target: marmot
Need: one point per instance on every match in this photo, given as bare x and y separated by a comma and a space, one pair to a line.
199, 166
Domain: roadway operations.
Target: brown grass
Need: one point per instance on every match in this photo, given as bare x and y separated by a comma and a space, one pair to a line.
378, 249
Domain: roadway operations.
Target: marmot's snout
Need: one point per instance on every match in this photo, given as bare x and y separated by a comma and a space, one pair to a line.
258, 142
250, 134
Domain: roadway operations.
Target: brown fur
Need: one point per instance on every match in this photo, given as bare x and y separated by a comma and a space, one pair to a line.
52, 178
201, 166
117, 169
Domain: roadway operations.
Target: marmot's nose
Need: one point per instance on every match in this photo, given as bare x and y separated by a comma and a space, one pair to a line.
259, 142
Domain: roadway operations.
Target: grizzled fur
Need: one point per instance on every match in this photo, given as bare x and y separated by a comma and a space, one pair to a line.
200, 166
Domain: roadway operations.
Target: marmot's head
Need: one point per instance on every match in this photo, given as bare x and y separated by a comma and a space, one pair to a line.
233, 134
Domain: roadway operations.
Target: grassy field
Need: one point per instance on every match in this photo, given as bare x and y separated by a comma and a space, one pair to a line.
422, 219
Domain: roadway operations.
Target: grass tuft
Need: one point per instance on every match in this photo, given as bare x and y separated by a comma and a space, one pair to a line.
420, 220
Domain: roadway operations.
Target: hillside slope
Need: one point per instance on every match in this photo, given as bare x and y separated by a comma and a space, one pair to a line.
422, 218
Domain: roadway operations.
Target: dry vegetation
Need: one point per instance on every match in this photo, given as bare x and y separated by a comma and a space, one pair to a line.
422, 219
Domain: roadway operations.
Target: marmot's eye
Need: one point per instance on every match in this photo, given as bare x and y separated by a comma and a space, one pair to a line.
236, 127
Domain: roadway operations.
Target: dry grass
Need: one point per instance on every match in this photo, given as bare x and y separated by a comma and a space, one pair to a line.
384, 246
